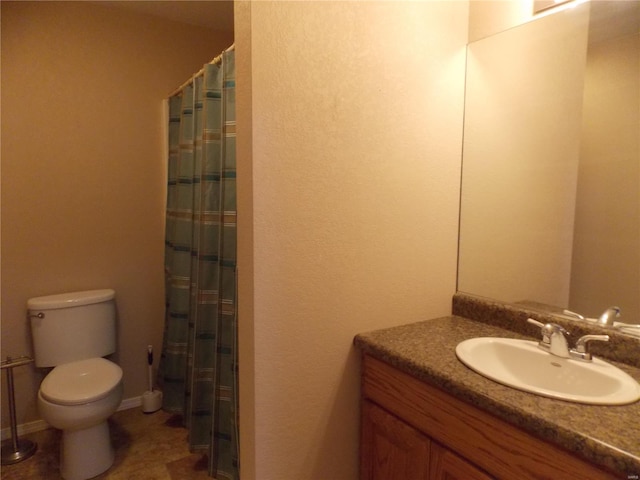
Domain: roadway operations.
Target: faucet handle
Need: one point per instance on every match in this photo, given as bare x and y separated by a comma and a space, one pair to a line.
546, 339
549, 329
569, 313
582, 345
535, 322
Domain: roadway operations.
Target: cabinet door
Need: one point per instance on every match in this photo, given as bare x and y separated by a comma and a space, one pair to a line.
391, 449
446, 465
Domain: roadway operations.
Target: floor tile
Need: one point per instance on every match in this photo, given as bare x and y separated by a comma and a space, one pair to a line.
148, 447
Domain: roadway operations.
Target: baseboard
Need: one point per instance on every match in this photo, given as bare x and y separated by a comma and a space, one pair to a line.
25, 429
39, 425
128, 403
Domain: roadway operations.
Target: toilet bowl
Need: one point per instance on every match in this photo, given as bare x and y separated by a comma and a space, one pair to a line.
78, 398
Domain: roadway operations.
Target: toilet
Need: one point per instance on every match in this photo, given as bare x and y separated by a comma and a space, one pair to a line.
72, 332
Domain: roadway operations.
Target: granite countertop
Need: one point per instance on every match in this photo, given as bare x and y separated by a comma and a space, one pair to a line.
605, 435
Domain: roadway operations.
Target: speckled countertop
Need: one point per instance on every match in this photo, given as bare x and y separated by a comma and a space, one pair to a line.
605, 435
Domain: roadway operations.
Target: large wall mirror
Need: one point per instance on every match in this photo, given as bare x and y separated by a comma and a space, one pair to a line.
550, 203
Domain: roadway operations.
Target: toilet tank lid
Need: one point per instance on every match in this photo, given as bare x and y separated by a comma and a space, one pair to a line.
73, 299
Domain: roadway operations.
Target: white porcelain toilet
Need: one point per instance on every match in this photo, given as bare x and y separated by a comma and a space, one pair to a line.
72, 332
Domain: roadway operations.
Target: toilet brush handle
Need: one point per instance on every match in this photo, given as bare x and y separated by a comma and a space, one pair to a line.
150, 363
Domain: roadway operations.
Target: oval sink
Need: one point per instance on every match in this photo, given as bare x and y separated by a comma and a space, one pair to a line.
521, 364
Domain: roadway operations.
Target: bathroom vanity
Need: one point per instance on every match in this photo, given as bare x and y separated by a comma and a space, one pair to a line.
425, 415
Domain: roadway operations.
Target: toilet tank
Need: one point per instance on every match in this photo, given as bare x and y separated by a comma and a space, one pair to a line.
72, 326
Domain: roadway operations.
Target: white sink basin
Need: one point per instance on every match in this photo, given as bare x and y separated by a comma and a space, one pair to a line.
521, 364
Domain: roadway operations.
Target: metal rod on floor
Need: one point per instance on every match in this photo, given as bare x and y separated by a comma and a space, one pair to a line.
19, 449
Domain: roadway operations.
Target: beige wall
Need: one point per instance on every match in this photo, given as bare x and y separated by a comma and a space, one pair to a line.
83, 168
349, 132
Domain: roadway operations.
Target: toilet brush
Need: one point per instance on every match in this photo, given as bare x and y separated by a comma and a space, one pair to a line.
151, 399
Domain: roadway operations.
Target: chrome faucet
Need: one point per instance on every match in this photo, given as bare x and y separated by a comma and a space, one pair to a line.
555, 341
554, 338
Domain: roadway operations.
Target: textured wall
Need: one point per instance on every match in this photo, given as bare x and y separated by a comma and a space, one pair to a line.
353, 113
83, 168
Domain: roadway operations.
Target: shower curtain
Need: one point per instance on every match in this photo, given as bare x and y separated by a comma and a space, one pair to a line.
198, 366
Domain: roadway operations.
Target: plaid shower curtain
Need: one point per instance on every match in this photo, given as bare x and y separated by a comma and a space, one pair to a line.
198, 365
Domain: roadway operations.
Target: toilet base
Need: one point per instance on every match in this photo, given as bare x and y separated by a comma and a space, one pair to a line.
77, 462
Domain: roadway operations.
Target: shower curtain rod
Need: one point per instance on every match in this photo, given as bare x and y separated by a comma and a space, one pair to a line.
215, 61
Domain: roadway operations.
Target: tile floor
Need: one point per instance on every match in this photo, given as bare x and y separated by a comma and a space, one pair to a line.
148, 447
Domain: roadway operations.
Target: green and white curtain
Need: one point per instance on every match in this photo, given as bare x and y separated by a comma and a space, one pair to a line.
198, 366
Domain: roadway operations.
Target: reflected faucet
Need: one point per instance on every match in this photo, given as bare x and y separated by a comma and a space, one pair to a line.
608, 318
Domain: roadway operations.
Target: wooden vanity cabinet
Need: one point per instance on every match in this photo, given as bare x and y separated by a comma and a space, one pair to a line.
393, 450
414, 431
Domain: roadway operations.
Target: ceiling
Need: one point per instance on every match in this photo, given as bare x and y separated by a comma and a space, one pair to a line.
215, 14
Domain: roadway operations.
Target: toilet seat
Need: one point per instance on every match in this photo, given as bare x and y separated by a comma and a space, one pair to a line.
81, 382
